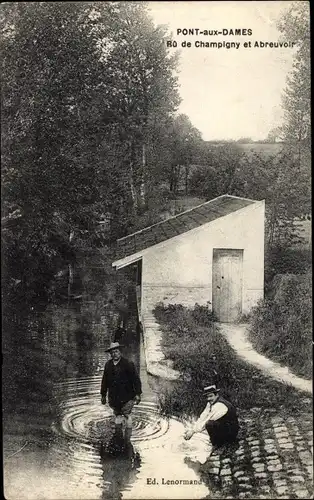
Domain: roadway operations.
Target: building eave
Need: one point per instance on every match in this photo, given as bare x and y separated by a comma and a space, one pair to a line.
136, 256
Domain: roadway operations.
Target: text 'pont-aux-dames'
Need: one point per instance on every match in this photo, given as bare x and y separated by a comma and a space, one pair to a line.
224, 44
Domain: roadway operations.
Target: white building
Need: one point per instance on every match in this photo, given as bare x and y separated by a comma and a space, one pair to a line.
213, 253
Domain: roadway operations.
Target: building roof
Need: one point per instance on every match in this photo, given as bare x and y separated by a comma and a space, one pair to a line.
179, 224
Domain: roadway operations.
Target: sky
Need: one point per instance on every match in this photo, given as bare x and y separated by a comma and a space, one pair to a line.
229, 93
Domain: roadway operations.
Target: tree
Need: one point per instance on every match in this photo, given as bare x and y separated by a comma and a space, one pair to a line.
144, 84
85, 86
183, 143
50, 85
274, 135
275, 179
295, 27
285, 189
218, 175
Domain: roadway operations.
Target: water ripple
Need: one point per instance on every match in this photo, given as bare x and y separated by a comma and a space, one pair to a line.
84, 424
87, 421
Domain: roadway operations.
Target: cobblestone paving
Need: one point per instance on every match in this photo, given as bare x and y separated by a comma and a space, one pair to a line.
274, 459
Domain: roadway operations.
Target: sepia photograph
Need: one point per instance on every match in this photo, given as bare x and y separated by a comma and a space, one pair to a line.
156, 250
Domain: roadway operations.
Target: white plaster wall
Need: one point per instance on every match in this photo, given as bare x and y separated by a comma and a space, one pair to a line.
181, 268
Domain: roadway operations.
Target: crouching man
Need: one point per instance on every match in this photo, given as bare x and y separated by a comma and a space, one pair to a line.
219, 418
124, 388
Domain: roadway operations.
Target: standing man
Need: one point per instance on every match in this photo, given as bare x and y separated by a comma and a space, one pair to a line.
124, 388
219, 418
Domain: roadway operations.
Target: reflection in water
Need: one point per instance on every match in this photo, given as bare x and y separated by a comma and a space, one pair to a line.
68, 431
118, 471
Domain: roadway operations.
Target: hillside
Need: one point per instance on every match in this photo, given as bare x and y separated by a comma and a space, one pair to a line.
267, 148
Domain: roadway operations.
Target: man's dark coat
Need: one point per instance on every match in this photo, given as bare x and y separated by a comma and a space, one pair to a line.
121, 381
225, 429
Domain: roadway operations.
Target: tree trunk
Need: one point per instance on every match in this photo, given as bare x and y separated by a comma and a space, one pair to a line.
187, 171
143, 177
177, 170
172, 179
132, 188
132, 183
70, 280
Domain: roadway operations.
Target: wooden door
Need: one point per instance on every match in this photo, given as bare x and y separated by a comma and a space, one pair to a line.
227, 284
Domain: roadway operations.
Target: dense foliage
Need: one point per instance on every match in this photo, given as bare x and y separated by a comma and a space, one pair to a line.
277, 179
82, 98
285, 260
295, 26
281, 326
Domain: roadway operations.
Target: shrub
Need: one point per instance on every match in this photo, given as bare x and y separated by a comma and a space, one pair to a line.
203, 316
203, 356
283, 260
281, 326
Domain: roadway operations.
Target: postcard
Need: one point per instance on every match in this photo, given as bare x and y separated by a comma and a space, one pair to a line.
156, 237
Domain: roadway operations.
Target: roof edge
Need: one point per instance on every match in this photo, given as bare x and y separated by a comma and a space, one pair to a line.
128, 260
138, 255
186, 211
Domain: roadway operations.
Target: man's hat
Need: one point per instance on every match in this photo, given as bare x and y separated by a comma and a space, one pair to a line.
211, 389
114, 345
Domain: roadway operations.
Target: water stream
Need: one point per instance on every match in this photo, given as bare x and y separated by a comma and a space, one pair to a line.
52, 442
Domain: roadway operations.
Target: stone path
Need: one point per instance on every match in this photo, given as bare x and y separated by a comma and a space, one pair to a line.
237, 337
156, 364
274, 459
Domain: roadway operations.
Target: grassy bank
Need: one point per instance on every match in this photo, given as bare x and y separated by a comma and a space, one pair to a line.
191, 339
281, 326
